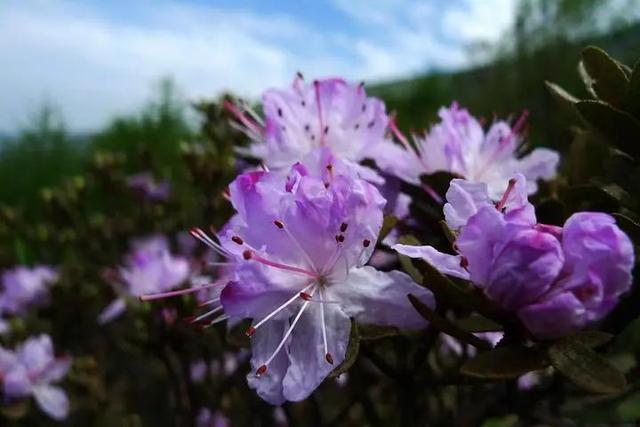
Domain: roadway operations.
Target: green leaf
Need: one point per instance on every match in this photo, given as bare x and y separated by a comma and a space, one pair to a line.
584, 367
405, 261
620, 127
505, 421
505, 363
564, 97
449, 328
592, 339
609, 80
590, 197
237, 335
375, 332
629, 226
388, 223
448, 233
632, 100
15, 410
352, 352
476, 323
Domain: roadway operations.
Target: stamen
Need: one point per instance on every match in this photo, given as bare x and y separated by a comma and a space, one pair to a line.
366, 243
324, 328
207, 314
253, 328
247, 255
329, 358
238, 240
305, 296
151, 297
249, 123
285, 338
343, 227
517, 127
204, 238
340, 238
432, 193
503, 201
209, 302
217, 320
316, 86
261, 370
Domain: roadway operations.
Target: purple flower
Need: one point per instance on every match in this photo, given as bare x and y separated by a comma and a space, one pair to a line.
297, 248
329, 112
206, 418
459, 145
148, 188
30, 370
24, 287
149, 268
556, 279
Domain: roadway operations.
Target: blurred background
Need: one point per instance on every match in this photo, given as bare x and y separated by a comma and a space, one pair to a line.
77, 76
93, 93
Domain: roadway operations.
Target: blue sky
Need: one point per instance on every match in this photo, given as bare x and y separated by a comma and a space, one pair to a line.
94, 59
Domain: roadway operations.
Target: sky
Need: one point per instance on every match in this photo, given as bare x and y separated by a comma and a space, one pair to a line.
96, 59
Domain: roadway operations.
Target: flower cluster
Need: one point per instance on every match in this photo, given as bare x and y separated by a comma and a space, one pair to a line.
557, 279
306, 224
30, 370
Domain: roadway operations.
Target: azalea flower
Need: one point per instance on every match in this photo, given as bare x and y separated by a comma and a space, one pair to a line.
149, 268
30, 370
327, 113
24, 288
145, 185
298, 246
459, 145
557, 279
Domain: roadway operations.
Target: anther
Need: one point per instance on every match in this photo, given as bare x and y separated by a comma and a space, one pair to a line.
329, 358
261, 370
280, 112
300, 76
278, 224
250, 331
238, 240
247, 254
464, 262
343, 227
366, 243
326, 130
305, 296
339, 238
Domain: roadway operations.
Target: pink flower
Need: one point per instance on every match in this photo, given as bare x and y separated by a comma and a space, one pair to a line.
459, 145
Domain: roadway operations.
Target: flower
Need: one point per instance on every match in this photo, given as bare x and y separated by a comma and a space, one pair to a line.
329, 112
24, 287
459, 145
556, 279
299, 245
148, 188
30, 370
149, 268
206, 418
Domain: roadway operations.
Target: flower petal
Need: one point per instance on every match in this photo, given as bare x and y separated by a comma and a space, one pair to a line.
444, 263
555, 316
263, 343
53, 401
112, 311
308, 365
380, 298
464, 198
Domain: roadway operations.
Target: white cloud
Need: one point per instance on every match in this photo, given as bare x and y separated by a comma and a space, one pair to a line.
95, 64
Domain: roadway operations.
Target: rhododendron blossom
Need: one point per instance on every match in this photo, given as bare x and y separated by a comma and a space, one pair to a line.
149, 268
556, 279
297, 250
24, 287
30, 370
459, 145
326, 113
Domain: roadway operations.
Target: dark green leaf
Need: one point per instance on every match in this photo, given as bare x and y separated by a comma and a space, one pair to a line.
449, 328
609, 81
632, 101
629, 226
561, 95
388, 223
505, 363
15, 410
590, 197
592, 339
584, 367
620, 127
375, 332
448, 233
477, 323
352, 352
238, 334
405, 261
